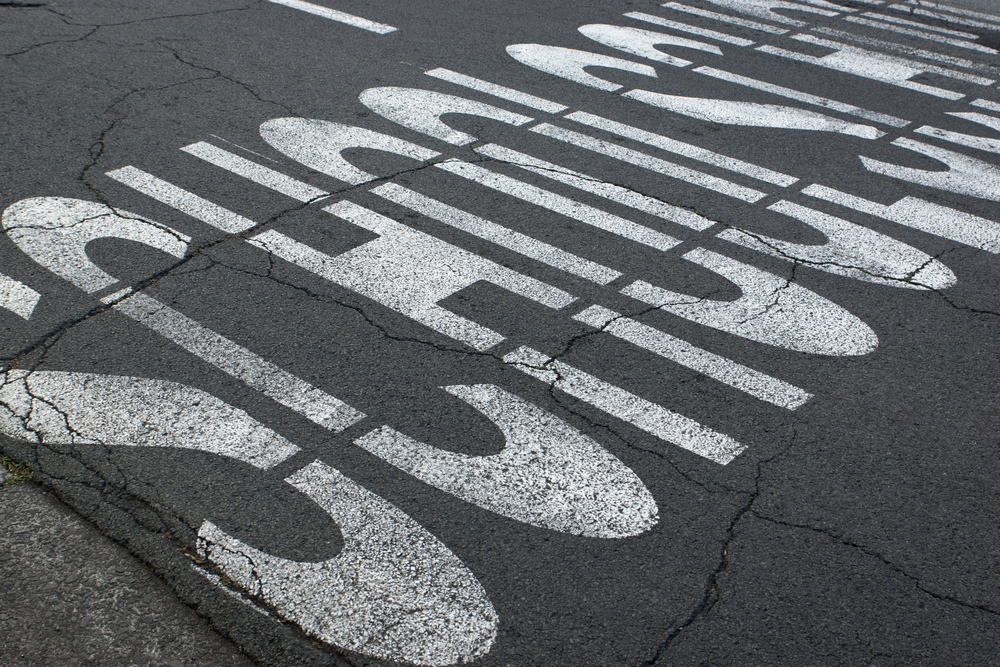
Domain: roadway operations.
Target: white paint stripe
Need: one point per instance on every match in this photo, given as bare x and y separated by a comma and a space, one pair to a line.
694, 30
645, 415
610, 191
986, 104
408, 271
17, 297
640, 159
182, 200
918, 214
954, 15
393, 592
679, 147
808, 98
916, 24
727, 371
502, 236
495, 90
852, 51
923, 35
643, 43
562, 205
571, 64
335, 15
311, 402
752, 114
764, 9
988, 144
548, 474
910, 50
725, 18
866, 65
257, 173
118, 411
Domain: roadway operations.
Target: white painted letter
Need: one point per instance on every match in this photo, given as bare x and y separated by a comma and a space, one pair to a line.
548, 475
965, 175
421, 110
394, 591
642, 42
772, 310
318, 144
569, 63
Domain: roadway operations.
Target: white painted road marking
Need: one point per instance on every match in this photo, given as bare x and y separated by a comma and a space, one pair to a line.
725, 18
311, 402
562, 205
593, 185
851, 250
771, 310
650, 417
502, 236
409, 272
934, 219
393, 592
335, 15
548, 475
17, 297
694, 30
755, 383
116, 411
257, 173
502, 92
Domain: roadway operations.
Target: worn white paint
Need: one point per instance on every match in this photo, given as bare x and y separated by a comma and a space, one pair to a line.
965, 175
254, 172
988, 144
335, 15
751, 114
764, 9
897, 60
394, 592
851, 250
409, 272
548, 474
866, 64
55, 231
930, 36
593, 185
643, 43
57, 407
311, 402
182, 200
951, 14
17, 297
771, 310
626, 406
679, 147
562, 205
502, 236
690, 29
800, 96
922, 25
753, 382
319, 144
935, 219
986, 104
503, 92
909, 50
421, 110
656, 164
725, 18
570, 63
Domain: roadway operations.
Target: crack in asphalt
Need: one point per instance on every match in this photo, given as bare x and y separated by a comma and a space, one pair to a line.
874, 554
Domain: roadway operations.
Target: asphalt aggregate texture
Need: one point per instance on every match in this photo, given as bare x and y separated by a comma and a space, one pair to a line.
855, 527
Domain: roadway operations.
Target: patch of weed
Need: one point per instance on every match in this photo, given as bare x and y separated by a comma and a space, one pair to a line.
19, 472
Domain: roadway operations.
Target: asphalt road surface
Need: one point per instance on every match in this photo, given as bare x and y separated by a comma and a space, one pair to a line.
564, 333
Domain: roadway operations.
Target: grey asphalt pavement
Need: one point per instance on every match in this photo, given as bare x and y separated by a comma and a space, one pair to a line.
570, 333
